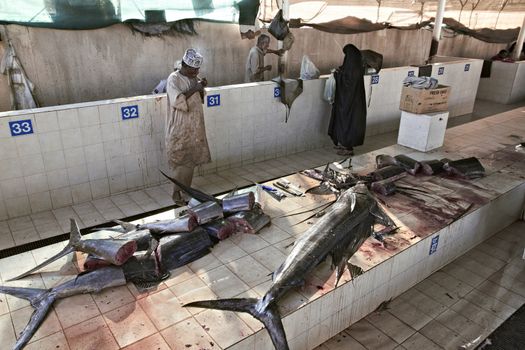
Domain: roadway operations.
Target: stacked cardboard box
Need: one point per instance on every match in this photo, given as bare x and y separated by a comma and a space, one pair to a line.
421, 101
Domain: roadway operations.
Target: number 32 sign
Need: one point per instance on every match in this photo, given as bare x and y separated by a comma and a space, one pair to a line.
129, 112
21, 127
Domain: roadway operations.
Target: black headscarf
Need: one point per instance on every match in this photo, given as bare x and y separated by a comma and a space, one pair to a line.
348, 121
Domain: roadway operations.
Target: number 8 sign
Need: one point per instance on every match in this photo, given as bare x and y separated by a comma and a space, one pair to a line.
21, 127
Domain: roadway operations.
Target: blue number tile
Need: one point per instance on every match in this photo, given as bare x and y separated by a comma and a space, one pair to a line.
375, 79
467, 67
213, 100
433, 245
21, 127
410, 73
129, 112
277, 92
441, 70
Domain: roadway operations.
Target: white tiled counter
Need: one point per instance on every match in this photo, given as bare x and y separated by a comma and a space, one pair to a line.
506, 83
463, 76
241, 265
63, 155
79, 152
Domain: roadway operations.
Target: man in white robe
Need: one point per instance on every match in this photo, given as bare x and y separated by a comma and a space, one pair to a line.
186, 142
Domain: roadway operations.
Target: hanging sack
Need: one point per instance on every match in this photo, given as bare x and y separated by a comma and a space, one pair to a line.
279, 28
308, 69
329, 89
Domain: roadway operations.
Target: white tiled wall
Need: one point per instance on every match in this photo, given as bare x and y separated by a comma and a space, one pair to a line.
518, 89
77, 153
86, 151
464, 83
382, 99
506, 83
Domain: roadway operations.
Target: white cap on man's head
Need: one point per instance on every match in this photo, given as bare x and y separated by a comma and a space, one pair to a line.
192, 58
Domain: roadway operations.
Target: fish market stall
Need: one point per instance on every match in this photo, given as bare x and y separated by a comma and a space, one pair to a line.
58, 156
442, 203
506, 83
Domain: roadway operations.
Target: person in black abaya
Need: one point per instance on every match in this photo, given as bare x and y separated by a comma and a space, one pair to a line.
348, 121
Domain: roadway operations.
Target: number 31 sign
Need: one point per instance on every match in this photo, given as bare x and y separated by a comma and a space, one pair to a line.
21, 127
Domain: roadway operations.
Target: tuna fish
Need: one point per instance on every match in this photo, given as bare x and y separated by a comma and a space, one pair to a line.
469, 168
144, 270
339, 234
383, 160
206, 212
384, 187
173, 251
251, 221
239, 202
410, 165
115, 251
220, 229
386, 172
185, 223
432, 167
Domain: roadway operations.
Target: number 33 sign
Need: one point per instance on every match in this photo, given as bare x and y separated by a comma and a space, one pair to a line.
21, 127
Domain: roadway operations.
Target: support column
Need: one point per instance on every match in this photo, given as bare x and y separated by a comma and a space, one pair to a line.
436, 34
519, 42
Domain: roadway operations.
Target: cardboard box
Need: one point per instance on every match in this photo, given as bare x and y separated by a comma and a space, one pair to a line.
424, 101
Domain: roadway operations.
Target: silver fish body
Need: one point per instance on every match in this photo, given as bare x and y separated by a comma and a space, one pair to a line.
42, 299
115, 251
339, 233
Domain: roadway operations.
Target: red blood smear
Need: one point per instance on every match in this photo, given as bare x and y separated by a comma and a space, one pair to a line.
91, 263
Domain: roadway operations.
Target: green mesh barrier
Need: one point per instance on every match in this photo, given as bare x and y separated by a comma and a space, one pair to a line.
89, 14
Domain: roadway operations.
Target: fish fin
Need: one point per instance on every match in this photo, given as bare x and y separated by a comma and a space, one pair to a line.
340, 270
381, 217
198, 195
269, 316
67, 249
128, 227
74, 235
355, 270
380, 235
143, 284
41, 300
153, 245
232, 192
113, 229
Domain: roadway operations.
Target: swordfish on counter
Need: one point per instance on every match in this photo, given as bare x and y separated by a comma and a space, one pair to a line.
339, 234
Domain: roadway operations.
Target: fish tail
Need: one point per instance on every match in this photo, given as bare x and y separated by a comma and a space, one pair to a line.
269, 316
198, 195
41, 300
74, 238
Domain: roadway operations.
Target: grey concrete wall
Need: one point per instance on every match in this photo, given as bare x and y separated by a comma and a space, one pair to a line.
5, 99
88, 65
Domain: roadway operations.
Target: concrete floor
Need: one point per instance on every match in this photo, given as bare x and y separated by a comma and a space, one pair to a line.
457, 307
